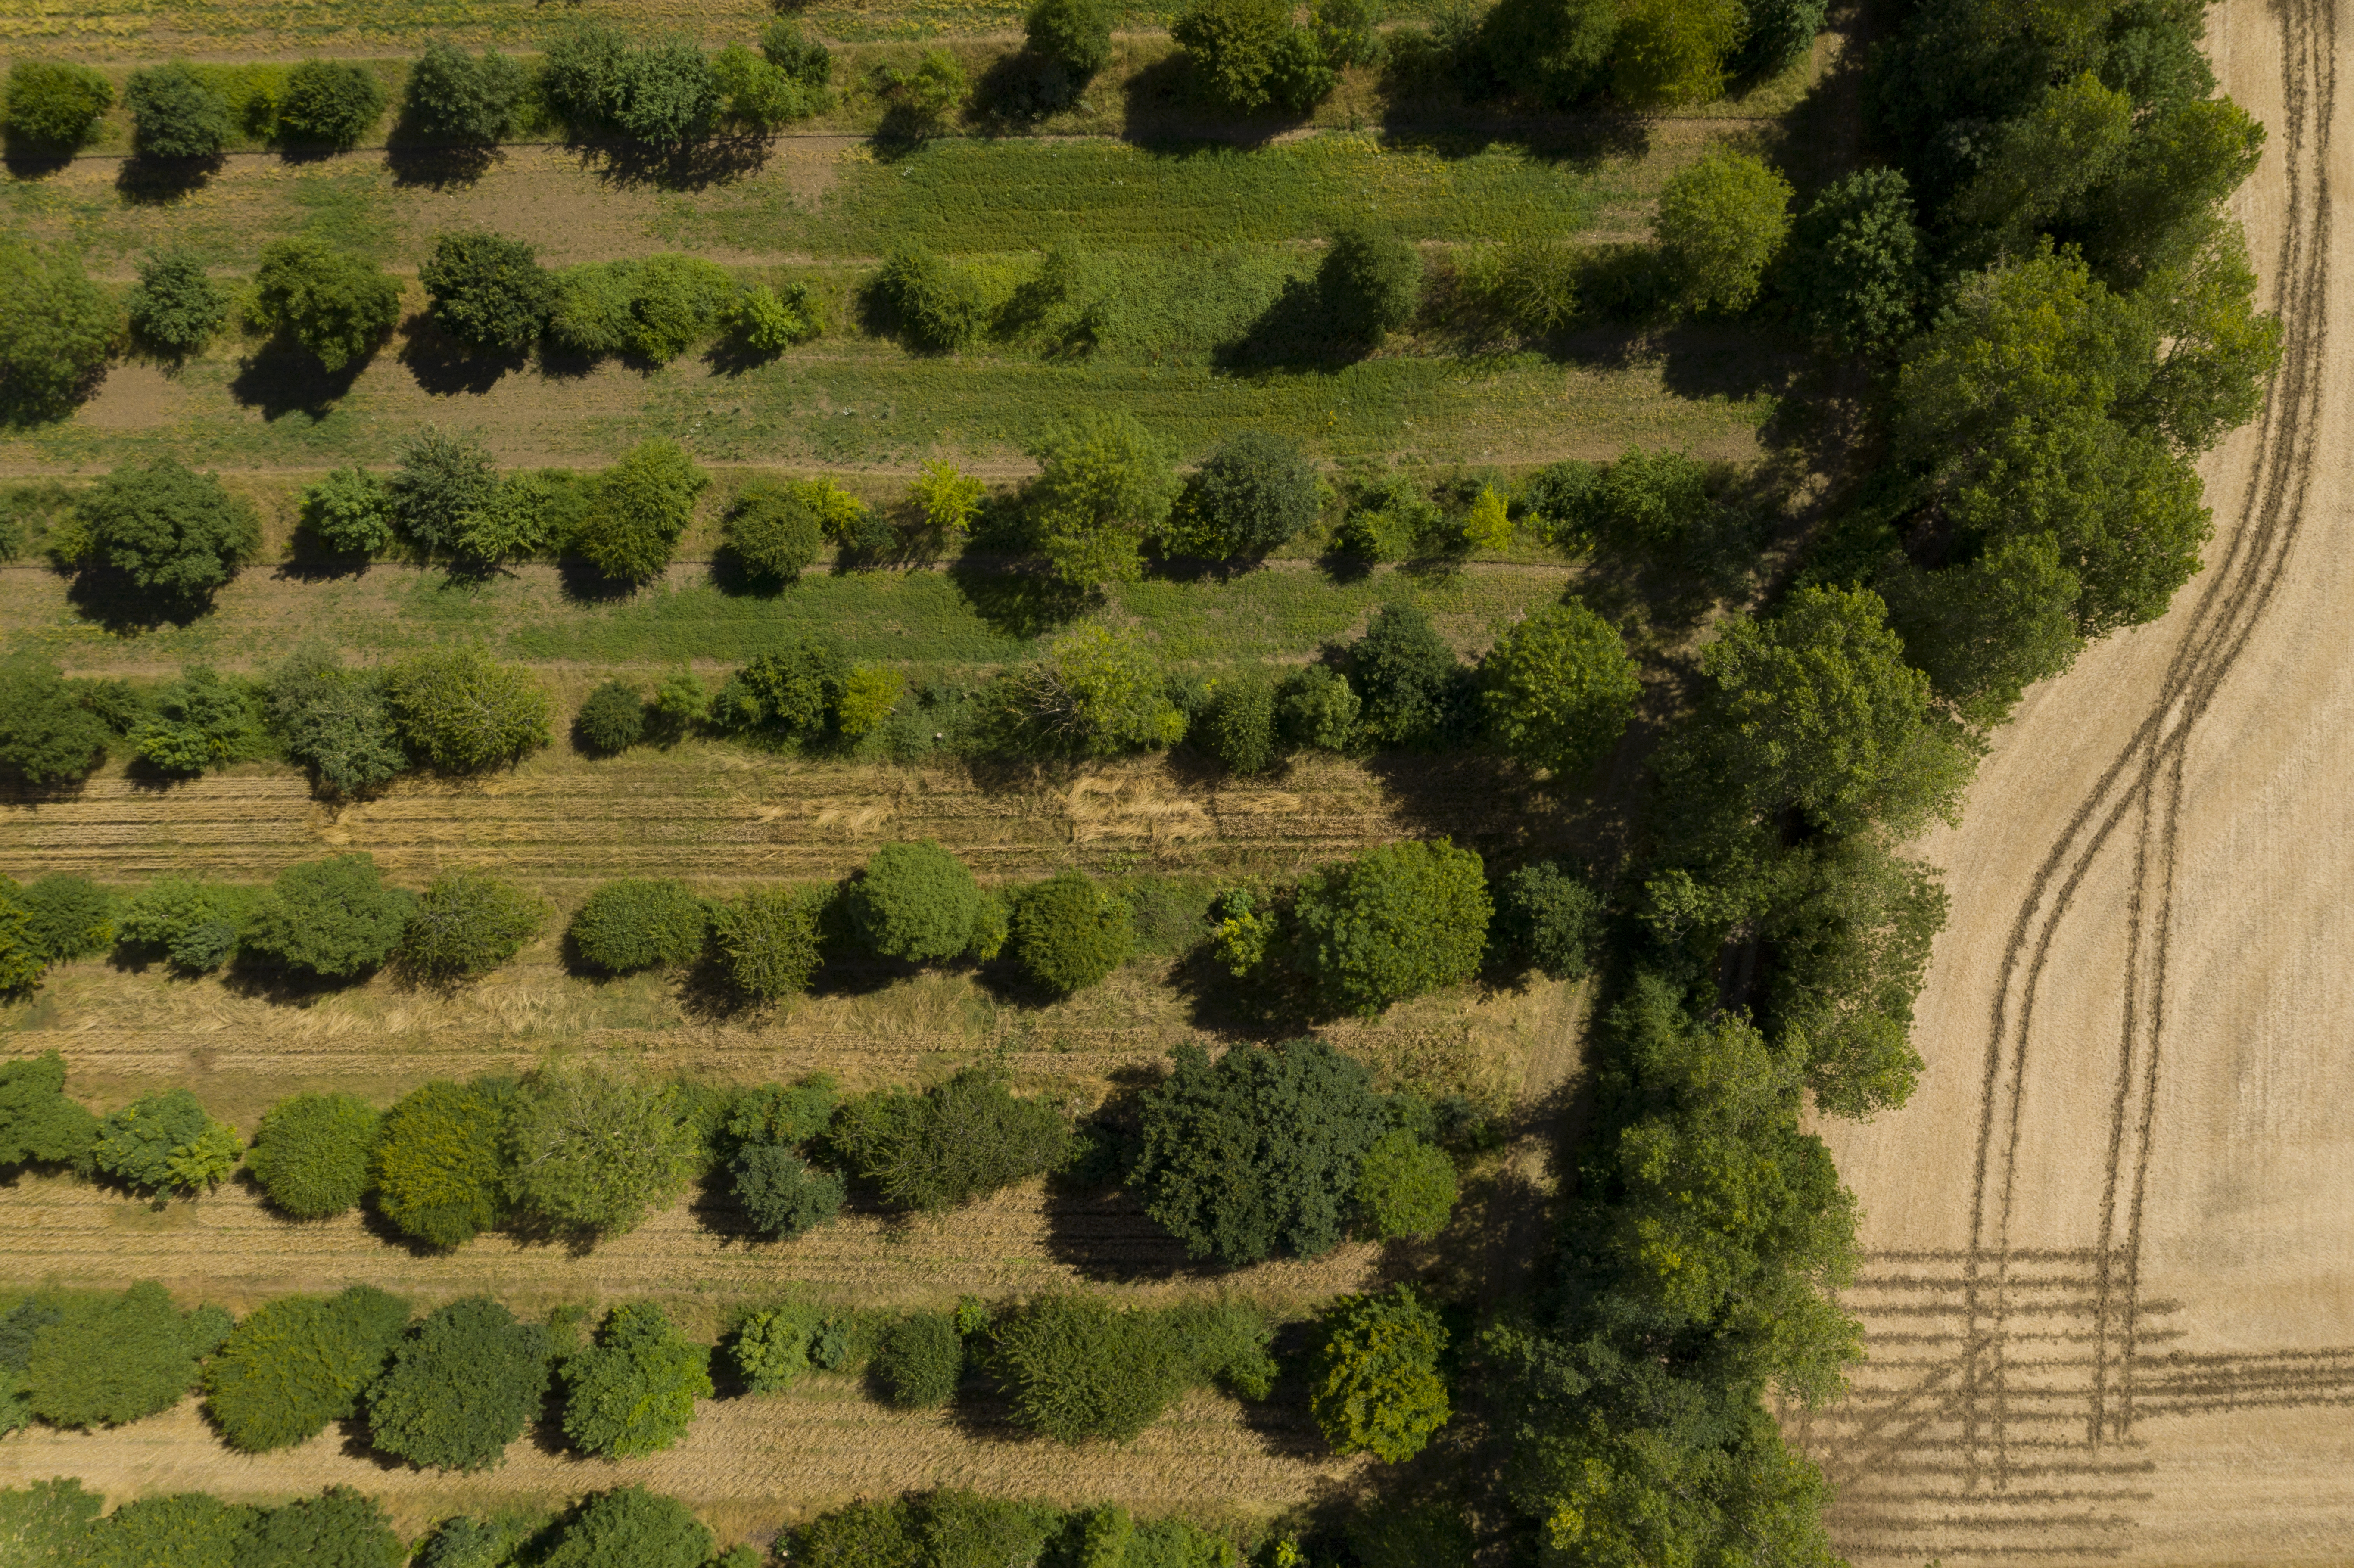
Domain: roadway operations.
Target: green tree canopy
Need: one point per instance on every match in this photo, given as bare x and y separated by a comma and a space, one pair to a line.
919, 1361
441, 1163
593, 1152
630, 1528
1674, 51
1096, 693
1560, 688
47, 734
462, 100
38, 1124
56, 328
166, 1143
641, 924
1406, 1187
920, 903
336, 722
337, 305
1369, 284
1251, 494
1105, 483
468, 923
1068, 932
463, 711
1396, 922
176, 533
462, 1384
1377, 1385
106, 1360
334, 918
1856, 263
52, 107
301, 1361
329, 103
340, 1528
638, 508
312, 1153
174, 115
1406, 676
1985, 630
634, 1391
1080, 1369
488, 290
1721, 223
768, 942
950, 1144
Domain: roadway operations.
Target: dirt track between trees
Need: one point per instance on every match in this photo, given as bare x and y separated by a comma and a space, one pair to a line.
2109, 1278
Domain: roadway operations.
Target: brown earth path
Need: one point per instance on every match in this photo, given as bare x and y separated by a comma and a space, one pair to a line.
2109, 1278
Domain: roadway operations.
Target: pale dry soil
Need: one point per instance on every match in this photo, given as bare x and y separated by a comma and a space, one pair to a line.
2109, 1286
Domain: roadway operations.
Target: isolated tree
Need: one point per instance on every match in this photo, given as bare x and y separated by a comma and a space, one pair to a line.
638, 924
334, 918
1252, 494
920, 903
592, 1152
1406, 1187
1370, 283
1721, 223
329, 103
108, 1360
1407, 679
638, 509
950, 1145
166, 1143
170, 531
466, 100
488, 290
174, 115
1104, 484
768, 942
1068, 932
335, 305
1856, 263
38, 1124
611, 719
1560, 688
311, 1154
776, 528
53, 107
176, 306
1398, 921
461, 710
467, 924
1257, 1153
919, 1361
441, 1164
56, 328
634, 1391
462, 1384
631, 1526
47, 736
296, 1364
1377, 1387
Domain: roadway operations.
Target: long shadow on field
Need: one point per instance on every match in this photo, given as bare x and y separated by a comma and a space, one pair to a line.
277, 382
445, 368
695, 166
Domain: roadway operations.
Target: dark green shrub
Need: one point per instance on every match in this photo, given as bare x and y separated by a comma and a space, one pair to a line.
638, 508
329, 103
298, 1363
1429, 1535
1560, 688
630, 1528
612, 720
767, 942
1233, 46
1239, 726
336, 722
187, 1529
334, 918
1721, 223
919, 1361
1408, 682
1781, 34
633, 1392
462, 1384
638, 924
772, 1347
1259, 1152
1347, 32
1856, 263
166, 1143
754, 95
920, 903
350, 511
939, 304
176, 306
948, 1145
462, 711
199, 721
1406, 1188
56, 328
1370, 283
1252, 494
592, 1152
47, 736
443, 475
781, 1193
340, 1528
440, 1168
468, 923
1074, 35
335, 305
1068, 933
1551, 50
195, 924
311, 1154
107, 1360
1298, 77
1551, 919
170, 531
776, 528
1378, 1385
1654, 504
665, 92
806, 60
69, 917
795, 692
53, 107
488, 290
459, 98
38, 1125
1079, 1368
22, 963
1396, 922
175, 115
526, 516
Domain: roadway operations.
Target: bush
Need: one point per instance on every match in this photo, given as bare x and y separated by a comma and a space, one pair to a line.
1399, 921
919, 1361
1674, 51
488, 290
195, 924
804, 59
1239, 726
166, 1143
441, 1164
53, 107
754, 95
1560, 688
1407, 680
1721, 223
1079, 1368
1856, 263
947, 499
1096, 693
1347, 32
338, 1529
46, 733
298, 1363
795, 692
174, 114
939, 304
665, 94
639, 507
56, 328
466, 925
771, 1348
775, 529
951, 1144
310, 1156
21, 963
767, 942
69, 916
456, 98
1248, 56
917, 100
198, 721
1377, 1384
1371, 284
1105, 484
592, 1153
336, 722
1551, 920
461, 1386
918, 902
329, 103
1257, 1153
1068, 933
443, 475
172, 532
334, 304
781, 1193
107, 1360
333, 917
633, 1392
1781, 34
462, 711
639, 924
1251, 495
38, 1125
612, 720
176, 306
1074, 34
771, 323
1406, 1188
350, 511
632, 1528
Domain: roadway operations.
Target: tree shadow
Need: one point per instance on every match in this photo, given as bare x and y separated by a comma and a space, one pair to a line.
256, 980
1296, 332
27, 160
685, 168
112, 599
1168, 109
416, 163
311, 559
1020, 90
1104, 1235
278, 382
444, 367
585, 583
144, 181
1019, 598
